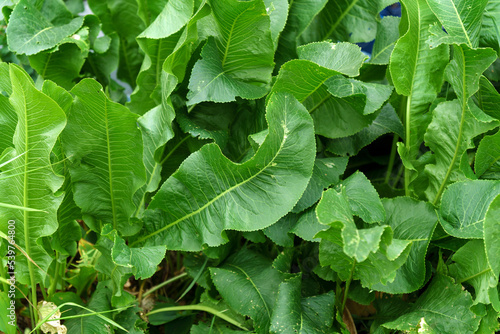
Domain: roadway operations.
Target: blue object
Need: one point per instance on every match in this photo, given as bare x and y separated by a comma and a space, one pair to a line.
392, 10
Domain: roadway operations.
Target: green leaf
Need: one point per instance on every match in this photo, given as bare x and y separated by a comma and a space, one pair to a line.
488, 154
63, 65
29, 181
278, 232
108, 163
337, 208
345, 58
156, 128
444, 308
31, 31
307, 225
363, 198
387, 35
100, 301
300, 15
121, 17
491, 234
248, 282
326, 172
158, 43
379, 267
464, 205
415, 222
490, 26
386, 122
456, 123
294, 314
239, 61
417, 71
471, 266
8, 116
278, 13
488, 98
346, 20
461, 19
255, 195
69, 232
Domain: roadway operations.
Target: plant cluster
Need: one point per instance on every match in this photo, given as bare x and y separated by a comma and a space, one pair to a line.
229, 166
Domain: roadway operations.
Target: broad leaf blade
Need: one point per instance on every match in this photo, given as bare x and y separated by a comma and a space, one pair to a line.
249, 196
108, 162
30, 181
444, 308
239, 61
464, 205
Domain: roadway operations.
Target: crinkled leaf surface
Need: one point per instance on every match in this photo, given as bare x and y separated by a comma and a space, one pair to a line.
239, 60
346, 20
106, 168
326, 172
294, 314
464, 205
491, 235
387, 121
417, 70
413, 221
214, 194
444, 307
363, 198
249, 284
31, 31
387, 35
29, 181
460, 18
488, 154
471, 266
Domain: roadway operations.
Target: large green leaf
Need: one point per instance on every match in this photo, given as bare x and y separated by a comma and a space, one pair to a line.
461, 19
106, 168
32, 29
326, 172
69, 232
488, 154
379, 267
417, 71
301, 13
247, 282
464, 205
158, 43
239, 60
8, 116
121, 17
490, 26
413, 221
346, 20
443, 308
363, 198
491, 235
387, 35
294, 314
471, 266
213, 194
387, 121
29, 181
63, 65
340, 107
455, 123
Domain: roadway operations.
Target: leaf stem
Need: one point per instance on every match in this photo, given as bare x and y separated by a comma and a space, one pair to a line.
406, 107
53, 284
202, 308
392, 157
159, 286
347, 284
174, 148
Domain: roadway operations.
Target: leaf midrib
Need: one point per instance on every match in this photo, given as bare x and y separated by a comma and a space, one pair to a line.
341, 17
110, 169
222, 194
